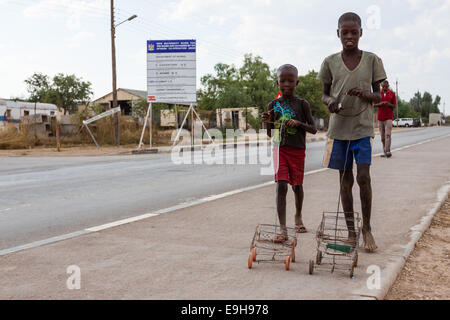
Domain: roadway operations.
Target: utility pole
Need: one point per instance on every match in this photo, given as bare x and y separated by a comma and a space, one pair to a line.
114, 76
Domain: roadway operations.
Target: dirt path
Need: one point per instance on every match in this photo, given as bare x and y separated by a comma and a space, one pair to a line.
425, 275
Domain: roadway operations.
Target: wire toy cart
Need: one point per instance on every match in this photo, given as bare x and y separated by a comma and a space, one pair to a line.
334, 247
264, 249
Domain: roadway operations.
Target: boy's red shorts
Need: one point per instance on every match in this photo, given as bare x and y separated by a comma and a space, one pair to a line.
291, 165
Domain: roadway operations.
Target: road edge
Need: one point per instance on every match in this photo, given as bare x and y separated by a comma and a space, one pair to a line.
394, 268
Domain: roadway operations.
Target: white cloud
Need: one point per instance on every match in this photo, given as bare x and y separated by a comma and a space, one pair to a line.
79, 38
63, 8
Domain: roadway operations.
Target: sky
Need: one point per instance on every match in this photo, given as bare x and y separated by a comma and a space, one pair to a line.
412, 37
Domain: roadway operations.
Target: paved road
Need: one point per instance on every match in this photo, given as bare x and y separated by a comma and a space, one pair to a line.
45, 197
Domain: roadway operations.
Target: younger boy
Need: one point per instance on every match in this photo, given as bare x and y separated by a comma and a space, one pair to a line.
291, 118
348, 77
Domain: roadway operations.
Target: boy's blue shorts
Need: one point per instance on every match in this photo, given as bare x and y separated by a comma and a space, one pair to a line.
336, 151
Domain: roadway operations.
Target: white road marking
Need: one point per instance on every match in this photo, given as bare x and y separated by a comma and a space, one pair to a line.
120, 222
171, 209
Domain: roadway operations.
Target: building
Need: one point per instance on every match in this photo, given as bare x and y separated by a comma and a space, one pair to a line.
435, 119
125, 99
15, 111
235, 117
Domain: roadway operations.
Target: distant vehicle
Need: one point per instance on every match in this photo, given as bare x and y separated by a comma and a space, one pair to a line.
403, 122
417, 122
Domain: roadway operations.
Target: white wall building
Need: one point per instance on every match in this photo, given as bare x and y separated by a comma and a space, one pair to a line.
12, 111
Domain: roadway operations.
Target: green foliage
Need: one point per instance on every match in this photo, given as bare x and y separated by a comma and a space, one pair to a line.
254, 85
310, 88
140, 107
251, 85
97, 109
38, 86
253, 121
424, 104
258, 81
65, 91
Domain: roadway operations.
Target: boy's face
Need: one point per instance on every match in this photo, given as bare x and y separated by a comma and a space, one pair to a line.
287, 81
385, 86
349, 32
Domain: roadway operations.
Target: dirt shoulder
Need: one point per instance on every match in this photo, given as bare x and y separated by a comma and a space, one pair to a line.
425, 275
93, 151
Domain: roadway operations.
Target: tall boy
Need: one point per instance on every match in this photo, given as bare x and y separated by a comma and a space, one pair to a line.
292, 117
351, 84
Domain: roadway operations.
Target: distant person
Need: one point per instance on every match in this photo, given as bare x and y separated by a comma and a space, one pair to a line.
385, 116
351, 84
291, 118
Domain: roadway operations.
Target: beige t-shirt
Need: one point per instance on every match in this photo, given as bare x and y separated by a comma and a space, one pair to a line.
356, 120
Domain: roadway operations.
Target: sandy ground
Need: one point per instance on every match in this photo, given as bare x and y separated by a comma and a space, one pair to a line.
426, 273
93, 151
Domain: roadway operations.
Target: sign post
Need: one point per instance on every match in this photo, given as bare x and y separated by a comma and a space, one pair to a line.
171, 76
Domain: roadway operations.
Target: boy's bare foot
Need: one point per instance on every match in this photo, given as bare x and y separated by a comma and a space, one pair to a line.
280, 238
300, 229
352, 238
369, 241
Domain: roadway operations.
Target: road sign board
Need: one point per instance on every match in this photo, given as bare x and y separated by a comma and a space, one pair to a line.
171, 71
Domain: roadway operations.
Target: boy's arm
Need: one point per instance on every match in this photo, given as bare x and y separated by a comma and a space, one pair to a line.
309, 126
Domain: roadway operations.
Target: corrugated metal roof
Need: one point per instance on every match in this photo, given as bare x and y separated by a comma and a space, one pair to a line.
139, 93
28, 105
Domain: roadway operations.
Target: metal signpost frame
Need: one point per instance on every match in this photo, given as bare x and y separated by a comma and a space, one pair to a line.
171, 77
98, 117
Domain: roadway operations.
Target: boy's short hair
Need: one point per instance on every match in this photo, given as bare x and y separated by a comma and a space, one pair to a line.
287, 67
349, 16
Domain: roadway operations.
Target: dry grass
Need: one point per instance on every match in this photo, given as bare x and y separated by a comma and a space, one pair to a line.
10, 139
103, 131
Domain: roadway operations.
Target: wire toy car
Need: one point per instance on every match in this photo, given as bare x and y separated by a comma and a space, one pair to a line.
264, 248
334, 246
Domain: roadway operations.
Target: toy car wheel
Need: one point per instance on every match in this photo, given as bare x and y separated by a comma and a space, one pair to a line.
250, 261
319, 257
254, 254
293, 255
311, 267
287, 262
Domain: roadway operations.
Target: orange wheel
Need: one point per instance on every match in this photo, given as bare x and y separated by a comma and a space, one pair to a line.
250, 261
287, 262
293, 255
254, 254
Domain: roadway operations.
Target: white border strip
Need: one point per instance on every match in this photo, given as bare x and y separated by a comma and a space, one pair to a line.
170, 209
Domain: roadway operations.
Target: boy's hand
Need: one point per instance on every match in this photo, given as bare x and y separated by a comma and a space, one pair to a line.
333, 105
358, 92
265, 117
292, 123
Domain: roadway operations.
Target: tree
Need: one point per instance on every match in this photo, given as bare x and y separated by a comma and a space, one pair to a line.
258, 81
310, 88
66, 91
38, 86
424, 104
